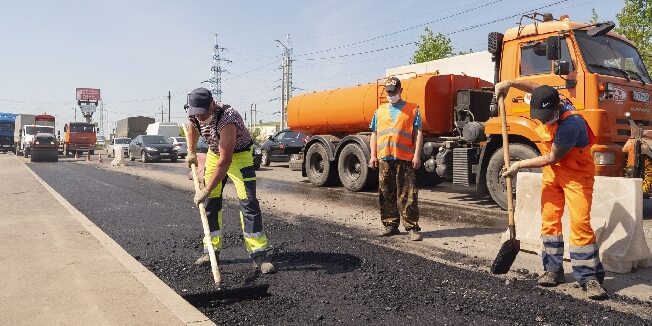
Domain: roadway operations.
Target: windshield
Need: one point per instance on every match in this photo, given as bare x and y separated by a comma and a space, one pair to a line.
155, 140
122, 141
607, 55
31, 130
82, 128
4, 126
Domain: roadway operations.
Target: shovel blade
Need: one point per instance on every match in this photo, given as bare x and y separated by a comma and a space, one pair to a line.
506, 256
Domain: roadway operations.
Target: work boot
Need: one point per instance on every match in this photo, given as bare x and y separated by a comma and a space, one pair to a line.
415, 235
595, 290
549, 279
389, 231
265, 266
205, 259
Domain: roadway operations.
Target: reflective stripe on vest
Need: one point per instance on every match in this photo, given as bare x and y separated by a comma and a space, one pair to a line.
578, 158
394, 138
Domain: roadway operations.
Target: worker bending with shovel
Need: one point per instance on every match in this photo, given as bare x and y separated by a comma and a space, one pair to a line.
568, 176
230, 154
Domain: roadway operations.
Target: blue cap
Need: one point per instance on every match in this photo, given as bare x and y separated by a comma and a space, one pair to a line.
199, 101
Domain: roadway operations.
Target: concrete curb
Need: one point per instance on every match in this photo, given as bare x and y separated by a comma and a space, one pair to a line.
179, 307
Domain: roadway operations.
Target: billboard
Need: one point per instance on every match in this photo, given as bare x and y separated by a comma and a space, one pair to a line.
88, 94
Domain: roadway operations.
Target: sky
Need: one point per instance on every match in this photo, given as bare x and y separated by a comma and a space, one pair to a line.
136, 51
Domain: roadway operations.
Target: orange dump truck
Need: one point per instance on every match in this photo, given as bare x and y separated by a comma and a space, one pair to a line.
599, 71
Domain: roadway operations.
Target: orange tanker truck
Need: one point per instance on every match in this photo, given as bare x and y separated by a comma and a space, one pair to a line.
598, 70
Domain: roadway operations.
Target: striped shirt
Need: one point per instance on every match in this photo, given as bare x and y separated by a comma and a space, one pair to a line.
223, 116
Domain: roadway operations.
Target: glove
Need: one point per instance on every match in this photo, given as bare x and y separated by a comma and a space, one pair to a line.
512, 171
191, 159
503, 87
201, 196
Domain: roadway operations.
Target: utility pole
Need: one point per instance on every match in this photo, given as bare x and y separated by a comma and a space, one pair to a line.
75, 108
162, 119
253, 117
216, 71
286, 88
100, 130
169, 105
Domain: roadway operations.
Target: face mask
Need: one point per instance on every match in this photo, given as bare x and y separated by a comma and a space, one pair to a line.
554, 119
393, 99
205, 122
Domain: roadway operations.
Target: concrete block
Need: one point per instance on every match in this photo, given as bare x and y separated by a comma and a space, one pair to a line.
616, 218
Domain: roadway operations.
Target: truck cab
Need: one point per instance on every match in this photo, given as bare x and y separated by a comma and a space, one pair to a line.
79, 137
599, 71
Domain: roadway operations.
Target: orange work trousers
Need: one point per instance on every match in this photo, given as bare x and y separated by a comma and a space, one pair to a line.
575, 188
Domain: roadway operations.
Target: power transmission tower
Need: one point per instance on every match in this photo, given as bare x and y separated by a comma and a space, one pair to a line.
286, 86
216, 71
169, 105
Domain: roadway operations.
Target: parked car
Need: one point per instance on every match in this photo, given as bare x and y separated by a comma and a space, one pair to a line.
119, 142
284, 143
180, 145
258, 156
151, 148
100, 141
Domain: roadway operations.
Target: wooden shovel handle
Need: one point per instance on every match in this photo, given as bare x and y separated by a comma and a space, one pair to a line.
217, 277
508, 179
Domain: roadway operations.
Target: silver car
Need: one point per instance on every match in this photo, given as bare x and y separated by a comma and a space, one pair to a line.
121, 142
180, 145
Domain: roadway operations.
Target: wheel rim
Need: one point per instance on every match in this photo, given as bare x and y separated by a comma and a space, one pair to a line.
352, 167
317, 164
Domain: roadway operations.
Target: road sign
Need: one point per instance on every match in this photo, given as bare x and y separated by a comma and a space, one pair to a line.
88, 94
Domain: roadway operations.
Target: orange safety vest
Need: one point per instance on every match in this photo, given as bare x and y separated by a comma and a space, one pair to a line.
578, 159
395, 137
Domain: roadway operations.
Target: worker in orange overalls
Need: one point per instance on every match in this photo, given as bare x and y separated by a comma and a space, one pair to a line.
396, 142
568, 176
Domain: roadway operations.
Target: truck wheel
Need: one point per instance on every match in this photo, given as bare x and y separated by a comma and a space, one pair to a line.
26, 153
91, 152
264, 159
352, 168
319, 168
495, 183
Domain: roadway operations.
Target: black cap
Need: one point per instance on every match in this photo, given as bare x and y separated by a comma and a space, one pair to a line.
545, 100
199, 101
392, 84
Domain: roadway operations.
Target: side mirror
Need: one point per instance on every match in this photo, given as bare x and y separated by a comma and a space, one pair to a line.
601, 29
562, 68
65, 128
552, 48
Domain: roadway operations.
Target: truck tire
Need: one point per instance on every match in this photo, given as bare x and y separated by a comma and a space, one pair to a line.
91, 152
352, 168
264, 159
495, 183
26, 153
319, 169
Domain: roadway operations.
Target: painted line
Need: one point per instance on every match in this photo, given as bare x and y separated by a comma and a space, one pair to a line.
179, 307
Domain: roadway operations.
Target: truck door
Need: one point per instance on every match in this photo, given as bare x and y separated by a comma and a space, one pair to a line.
534, 65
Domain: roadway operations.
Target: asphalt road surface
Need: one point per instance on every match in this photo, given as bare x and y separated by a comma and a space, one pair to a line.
328, 274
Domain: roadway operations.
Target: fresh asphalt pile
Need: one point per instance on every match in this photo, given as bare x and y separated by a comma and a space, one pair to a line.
327, 274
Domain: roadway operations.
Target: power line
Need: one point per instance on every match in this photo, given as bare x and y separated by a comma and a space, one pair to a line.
401, 31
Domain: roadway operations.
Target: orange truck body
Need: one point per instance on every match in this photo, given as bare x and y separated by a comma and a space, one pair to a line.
79, 137
451, 104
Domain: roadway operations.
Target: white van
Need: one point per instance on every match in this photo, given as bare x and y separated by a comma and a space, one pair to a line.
165, 129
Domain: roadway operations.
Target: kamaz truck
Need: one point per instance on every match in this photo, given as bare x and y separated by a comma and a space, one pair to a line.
598, 70
7, 125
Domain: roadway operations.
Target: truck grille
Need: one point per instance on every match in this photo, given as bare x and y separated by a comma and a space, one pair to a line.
463, 161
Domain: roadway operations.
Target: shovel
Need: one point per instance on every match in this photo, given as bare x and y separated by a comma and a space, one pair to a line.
510, 248
217, 277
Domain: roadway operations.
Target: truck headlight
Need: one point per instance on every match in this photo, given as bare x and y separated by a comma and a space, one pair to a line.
36, 142
151, 149
604, 158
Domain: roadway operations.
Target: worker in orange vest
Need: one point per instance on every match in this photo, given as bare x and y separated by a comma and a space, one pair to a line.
396, 142
568, 176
